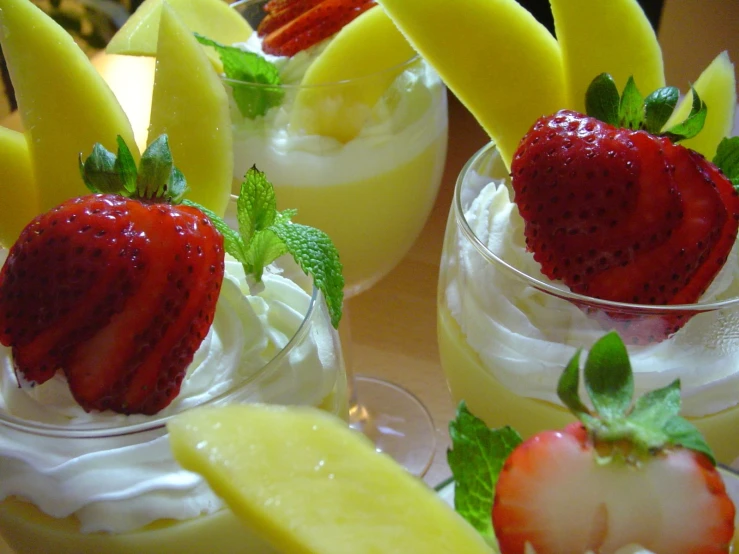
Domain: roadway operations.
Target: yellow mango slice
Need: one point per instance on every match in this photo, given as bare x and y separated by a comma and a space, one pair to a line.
503, 65
612, 36
310, 484
716, 86
18, 195
190, 105
349, 56
211, 18
65, 105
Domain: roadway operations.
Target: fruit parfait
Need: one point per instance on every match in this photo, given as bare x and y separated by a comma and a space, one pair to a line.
328, 99
629, 476
594, 209
130, 304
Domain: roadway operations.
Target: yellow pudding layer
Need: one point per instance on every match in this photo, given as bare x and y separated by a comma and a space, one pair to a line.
488, 399
373, 222
27, 530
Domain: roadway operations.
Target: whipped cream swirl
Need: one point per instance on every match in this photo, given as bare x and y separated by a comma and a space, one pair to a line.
526, 336
123, 482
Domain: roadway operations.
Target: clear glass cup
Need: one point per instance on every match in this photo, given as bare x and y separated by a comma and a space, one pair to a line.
371, 187
108, 482
506, 332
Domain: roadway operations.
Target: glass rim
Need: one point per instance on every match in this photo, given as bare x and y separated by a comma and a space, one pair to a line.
548, 288
125, 429
397, 68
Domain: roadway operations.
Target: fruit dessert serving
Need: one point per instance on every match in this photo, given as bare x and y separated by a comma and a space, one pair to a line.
333, 104
595, 209
628, 477
123, 307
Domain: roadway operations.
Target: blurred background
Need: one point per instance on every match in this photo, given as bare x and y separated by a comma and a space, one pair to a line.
678, 22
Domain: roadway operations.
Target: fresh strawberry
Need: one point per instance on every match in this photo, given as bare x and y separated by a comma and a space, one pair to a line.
295, 26
626, 473
623, 215
115, 292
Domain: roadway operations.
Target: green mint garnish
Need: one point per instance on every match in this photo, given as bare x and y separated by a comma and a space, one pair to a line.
247, 67
265, 234
155, 178
476, 459
631, 111
727, 159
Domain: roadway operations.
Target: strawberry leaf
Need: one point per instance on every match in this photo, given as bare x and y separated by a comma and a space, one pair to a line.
693, 124
568, 387
602, 99
683, 433
651, 413
125, 166
631, 108
658, 108
99, 171
243, 70
476, 459
608, 377
727, 159
155, 168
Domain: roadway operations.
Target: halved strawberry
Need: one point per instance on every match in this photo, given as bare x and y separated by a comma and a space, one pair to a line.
624, 474
282, 15
311, 26
116, 292
622, 215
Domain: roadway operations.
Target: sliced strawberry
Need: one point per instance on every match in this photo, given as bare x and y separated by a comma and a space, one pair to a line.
276, 18
313, 26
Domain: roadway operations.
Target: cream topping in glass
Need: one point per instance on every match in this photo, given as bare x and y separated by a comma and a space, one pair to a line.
124, 482
525, 337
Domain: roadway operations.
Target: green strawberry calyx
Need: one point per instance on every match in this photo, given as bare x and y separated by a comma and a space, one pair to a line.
622, 431
263, 235
631, 110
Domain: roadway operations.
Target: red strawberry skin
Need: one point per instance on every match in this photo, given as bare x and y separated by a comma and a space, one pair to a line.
295, 26
553, 495
116, 293
623, 215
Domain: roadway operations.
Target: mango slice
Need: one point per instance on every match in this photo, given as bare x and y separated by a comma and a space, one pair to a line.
348, 57
18, 195
212, 18
716, 86
65, 105
504, 66
613, 37
190, 105
311, 485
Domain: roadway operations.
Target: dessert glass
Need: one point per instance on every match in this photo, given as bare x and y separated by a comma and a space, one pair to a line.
372, 194
108, 482
506, 332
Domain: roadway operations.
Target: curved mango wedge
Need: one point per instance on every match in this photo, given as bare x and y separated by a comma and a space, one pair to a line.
18, 195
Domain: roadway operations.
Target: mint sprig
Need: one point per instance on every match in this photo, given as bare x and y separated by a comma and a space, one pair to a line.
476, 459
156, 178
265, 234
631, 110
243, 68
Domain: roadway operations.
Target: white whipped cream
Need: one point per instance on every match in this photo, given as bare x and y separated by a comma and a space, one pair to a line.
122, 483
409, 117
525, 337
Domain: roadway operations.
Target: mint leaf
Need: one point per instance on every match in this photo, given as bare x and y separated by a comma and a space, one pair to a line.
155, 168
602, 99
694, 122
264, 248
99, 171
658, 108
255, 81
631, 108
256, 207
316, 255
727, 159
125, 166
476, 459
608, 377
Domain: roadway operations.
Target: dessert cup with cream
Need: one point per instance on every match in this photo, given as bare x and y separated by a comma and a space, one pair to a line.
77, 482
365, 173
505, 331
